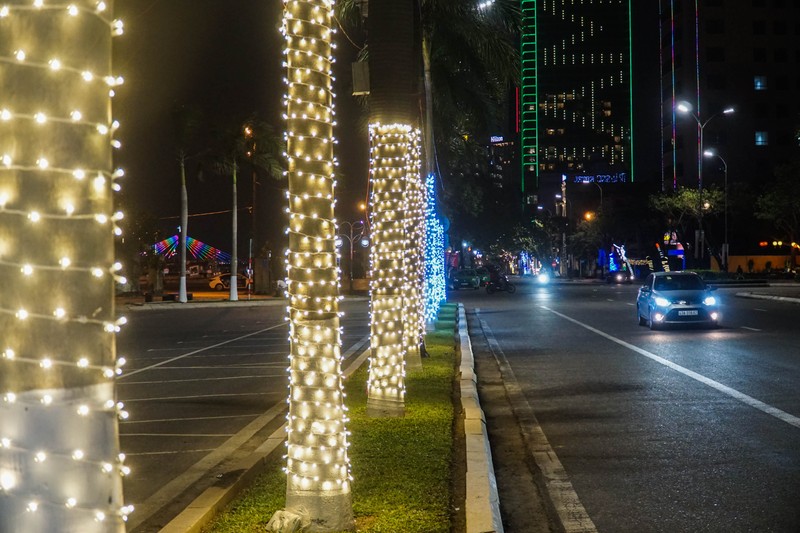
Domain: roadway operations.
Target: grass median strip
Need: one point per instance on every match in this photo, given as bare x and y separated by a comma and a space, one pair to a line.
402, 467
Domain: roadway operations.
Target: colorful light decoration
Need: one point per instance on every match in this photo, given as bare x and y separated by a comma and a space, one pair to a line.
394, 319
198, 250
60, 464
317, 463
434, 290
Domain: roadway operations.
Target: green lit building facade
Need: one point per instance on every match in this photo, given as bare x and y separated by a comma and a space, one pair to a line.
575, 115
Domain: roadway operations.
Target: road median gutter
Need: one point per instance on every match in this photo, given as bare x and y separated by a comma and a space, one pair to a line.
482, 500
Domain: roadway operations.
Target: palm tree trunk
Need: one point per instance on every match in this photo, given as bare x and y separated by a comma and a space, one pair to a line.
393, 132
234, 294
317, 464
182, 296
60, 464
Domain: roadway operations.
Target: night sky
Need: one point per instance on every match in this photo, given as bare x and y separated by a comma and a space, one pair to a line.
224, 57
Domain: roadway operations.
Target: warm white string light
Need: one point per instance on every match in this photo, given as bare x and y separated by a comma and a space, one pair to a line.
60, 465
317, 463
393, 162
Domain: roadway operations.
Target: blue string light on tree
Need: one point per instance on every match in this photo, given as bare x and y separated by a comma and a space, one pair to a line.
434, 254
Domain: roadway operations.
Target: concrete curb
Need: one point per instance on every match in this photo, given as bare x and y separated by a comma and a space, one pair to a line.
482, 503
755, 296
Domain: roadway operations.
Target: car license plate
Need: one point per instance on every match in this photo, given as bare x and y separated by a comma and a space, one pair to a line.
688, 313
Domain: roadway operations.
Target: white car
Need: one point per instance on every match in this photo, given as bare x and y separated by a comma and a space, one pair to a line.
223, 281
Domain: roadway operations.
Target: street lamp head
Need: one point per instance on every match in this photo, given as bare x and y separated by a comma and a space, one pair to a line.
684, 107
728, 111
709, 153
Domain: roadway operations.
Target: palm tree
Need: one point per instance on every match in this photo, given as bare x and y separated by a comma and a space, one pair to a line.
60, 462
231, 146
317, 463
186, 123
250, 140
394, 137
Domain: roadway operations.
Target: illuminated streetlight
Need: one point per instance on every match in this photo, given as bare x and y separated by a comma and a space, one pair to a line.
685, 108
725, 245
355, 234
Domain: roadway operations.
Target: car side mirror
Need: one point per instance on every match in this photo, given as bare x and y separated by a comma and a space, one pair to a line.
645, 288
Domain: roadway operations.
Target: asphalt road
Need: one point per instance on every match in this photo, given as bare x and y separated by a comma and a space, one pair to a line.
684, 430
203, 386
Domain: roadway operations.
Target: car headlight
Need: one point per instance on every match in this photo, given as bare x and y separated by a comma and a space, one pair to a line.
543, 278
662, 302
710, 300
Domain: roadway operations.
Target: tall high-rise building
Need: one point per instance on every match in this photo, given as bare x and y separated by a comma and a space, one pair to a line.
575, 101
718, 56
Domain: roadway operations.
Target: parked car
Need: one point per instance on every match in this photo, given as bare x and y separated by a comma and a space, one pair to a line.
466, 278
223, 281
484, 275
676, 298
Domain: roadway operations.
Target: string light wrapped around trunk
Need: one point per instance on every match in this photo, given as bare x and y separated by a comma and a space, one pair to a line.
434, 254
60, 464
392, 153
414, 305
317, 463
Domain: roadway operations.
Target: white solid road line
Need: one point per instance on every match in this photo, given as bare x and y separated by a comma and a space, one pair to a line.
733, 393
568, 507
173, 359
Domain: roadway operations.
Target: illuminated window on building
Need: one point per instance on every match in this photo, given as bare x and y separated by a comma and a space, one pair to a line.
762, 138
760, 83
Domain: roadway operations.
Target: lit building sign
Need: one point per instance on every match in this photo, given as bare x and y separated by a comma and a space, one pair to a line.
615, 177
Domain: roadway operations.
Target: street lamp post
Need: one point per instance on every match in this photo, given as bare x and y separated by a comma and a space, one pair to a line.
355, 231
725, 245
686, 109
601, 192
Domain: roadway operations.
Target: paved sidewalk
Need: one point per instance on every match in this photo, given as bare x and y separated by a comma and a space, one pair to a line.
780, 292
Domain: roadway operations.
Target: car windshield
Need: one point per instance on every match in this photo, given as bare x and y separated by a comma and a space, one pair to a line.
679, 283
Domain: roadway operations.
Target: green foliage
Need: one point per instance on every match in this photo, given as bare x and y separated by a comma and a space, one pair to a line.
401, 467
780, 202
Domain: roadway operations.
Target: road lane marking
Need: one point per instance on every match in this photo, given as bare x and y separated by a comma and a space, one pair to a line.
759, 309
188, 419
203, 396
193, 380
209, 435
168, 452
733, 393
751, 329
570, 510
184, 480
162, 363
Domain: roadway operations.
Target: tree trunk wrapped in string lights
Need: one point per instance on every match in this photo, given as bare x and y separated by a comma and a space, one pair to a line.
394, 144
389, 168
413, 302
60, 465
317, 463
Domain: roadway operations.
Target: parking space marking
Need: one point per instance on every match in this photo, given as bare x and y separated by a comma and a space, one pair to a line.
194, 380
733, 393
162, 363
188, 419
205, 396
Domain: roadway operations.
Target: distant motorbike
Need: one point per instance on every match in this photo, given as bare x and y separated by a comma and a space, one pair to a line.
500, 285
